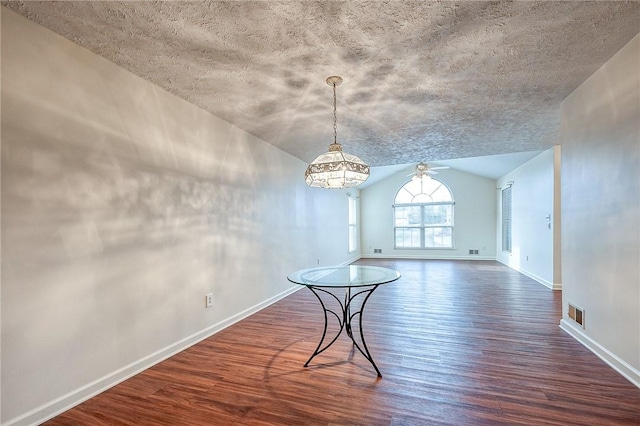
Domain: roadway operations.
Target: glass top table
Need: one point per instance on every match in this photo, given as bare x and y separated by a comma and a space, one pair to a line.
358, 282
344, 276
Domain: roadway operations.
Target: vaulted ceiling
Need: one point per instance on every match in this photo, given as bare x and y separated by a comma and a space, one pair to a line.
423, 81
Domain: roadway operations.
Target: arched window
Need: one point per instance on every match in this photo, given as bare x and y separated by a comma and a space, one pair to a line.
423, 215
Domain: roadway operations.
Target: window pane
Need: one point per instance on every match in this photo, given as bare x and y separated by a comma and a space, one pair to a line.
428, 221
407, 237
441, 193
437, 214
409, 215
403, 196
421, 198
352, 211
352, 238
413, 186
438, 237
423, 191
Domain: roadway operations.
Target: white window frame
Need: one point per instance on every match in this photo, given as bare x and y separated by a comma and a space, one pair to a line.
353, 225
422, 226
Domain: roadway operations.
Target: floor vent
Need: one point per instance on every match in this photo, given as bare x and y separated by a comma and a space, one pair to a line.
576, 314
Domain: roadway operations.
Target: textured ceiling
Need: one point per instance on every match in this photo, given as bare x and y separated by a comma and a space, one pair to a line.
424, 81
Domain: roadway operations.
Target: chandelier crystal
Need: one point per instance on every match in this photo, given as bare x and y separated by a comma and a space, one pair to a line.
335, 169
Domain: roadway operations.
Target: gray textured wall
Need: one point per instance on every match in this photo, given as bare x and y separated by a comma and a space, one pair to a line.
533, 250
601, 209
122, 205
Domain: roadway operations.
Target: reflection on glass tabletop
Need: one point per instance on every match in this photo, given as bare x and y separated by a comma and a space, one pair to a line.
344, 276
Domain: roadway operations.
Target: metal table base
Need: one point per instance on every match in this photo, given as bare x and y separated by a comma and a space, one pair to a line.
358, 283
345, 320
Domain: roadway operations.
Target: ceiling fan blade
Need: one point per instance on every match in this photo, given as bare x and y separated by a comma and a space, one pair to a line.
439, 168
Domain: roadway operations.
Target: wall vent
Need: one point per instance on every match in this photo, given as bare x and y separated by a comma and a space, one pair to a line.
377, 250
576, 314
474, 251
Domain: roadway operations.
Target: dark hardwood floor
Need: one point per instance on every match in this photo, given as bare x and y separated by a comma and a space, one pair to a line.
458, 343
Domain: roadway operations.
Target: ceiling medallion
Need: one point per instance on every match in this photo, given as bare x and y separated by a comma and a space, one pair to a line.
334, 169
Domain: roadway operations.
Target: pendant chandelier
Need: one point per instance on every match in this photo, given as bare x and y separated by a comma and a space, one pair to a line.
335, 169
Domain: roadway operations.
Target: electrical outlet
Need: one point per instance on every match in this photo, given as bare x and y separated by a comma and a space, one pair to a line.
208, 300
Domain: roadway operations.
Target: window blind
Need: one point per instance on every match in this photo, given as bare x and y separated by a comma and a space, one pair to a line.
506, 219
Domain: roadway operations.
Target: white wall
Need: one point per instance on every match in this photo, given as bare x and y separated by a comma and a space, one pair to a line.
532, 234
474, 217
601, 210
123, 205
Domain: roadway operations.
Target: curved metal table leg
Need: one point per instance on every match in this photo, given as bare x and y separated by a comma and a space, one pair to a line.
345, 321
340, 318
364, 350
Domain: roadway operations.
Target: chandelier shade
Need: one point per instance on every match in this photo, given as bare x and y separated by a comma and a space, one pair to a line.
335, 169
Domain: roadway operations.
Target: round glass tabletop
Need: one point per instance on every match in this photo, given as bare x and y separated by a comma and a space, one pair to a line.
344, 276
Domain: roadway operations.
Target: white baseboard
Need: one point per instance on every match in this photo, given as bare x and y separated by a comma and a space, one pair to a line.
535, 277
425, 257
353, 259
549, 284
627, 371
53, 408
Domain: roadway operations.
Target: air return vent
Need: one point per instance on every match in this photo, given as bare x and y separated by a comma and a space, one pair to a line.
576, 314
377, 250
474, 252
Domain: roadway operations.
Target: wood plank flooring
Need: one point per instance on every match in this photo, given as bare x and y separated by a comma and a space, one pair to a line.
457, 342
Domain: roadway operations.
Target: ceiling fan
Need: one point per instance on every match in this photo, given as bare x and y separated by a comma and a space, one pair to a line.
425, 170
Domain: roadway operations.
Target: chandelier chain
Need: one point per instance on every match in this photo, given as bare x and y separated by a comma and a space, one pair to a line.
335, 169
335, 116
